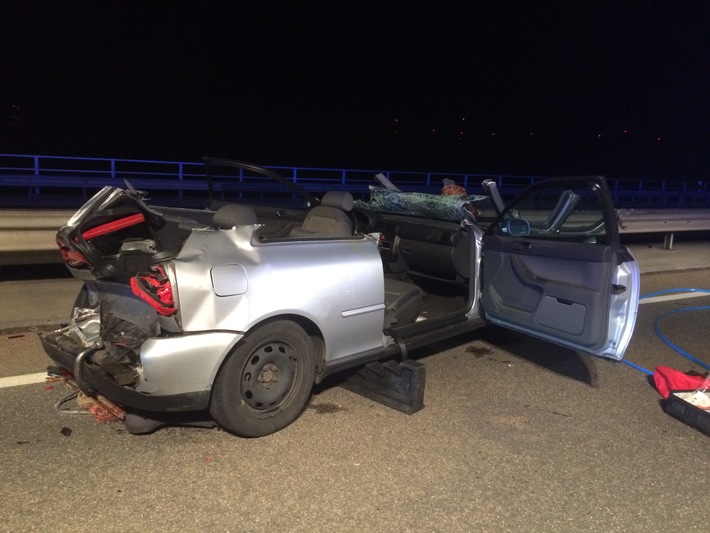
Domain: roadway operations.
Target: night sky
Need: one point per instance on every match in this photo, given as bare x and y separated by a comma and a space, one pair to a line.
540, 87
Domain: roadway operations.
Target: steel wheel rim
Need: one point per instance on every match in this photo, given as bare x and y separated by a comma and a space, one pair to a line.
268, 376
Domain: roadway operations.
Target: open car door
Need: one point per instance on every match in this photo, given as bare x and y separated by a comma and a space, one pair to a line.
553, 267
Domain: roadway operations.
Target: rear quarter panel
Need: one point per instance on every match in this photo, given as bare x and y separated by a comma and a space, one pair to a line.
228, 280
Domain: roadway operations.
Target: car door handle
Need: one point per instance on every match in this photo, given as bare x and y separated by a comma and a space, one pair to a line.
522, 246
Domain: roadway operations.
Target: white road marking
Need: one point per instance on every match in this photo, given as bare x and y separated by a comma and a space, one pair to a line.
669, 297
27, 379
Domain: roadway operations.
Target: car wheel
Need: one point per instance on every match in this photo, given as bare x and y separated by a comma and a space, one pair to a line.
265, 384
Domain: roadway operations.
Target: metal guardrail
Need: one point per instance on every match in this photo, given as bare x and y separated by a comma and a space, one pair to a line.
29, 236
666, 221
36, 179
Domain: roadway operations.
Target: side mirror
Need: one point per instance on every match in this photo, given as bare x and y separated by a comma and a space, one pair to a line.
517, 227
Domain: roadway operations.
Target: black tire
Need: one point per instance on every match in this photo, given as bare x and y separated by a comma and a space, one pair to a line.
265, 383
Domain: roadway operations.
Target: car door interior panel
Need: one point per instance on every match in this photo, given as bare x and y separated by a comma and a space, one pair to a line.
549, 286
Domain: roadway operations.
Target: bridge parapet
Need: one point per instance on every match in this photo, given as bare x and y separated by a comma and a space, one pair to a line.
31, 180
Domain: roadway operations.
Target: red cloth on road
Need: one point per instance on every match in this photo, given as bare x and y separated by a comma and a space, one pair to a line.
668, 379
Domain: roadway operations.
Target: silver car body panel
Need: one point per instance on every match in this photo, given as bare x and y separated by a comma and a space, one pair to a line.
624, 308
228, 280
475, 233
176, 365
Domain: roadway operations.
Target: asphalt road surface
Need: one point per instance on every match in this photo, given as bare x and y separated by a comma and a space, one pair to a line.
516, 435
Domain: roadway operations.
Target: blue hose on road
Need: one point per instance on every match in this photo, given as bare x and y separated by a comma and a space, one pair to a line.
662, 336
637, 367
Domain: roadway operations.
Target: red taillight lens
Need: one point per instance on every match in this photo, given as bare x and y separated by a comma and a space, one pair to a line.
154, 288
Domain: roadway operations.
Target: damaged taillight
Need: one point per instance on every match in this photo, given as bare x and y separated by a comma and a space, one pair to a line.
71, 257
155, 289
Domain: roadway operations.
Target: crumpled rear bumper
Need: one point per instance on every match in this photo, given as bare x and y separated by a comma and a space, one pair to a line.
65, 357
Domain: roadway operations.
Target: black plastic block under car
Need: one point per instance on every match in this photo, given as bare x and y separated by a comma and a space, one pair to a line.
394, 384
681, 405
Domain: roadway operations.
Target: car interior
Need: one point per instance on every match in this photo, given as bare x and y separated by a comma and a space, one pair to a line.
427, 263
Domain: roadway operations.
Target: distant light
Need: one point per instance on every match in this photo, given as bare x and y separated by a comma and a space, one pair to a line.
433, 130
599, 135
531, 134
658, 138
463, 119
626, 131
493, 134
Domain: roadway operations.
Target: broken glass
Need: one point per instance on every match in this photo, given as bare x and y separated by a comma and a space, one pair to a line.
436, 206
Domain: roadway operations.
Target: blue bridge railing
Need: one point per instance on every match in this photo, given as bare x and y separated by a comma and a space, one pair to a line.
31, 180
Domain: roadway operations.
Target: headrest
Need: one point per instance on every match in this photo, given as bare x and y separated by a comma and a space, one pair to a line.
340, 199
231, 215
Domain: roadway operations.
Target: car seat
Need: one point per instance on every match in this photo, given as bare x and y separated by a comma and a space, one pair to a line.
329, 219
403, 302
231, 215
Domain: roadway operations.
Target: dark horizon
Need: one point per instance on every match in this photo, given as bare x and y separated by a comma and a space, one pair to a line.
544, 88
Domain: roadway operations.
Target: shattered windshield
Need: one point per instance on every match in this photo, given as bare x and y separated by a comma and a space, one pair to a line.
453, 208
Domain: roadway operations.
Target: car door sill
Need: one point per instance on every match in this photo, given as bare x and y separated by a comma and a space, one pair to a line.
411, 336
424, 332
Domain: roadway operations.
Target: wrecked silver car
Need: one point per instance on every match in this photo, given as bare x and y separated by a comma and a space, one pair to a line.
238, 309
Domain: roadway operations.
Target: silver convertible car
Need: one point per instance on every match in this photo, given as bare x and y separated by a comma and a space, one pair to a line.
237, 310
